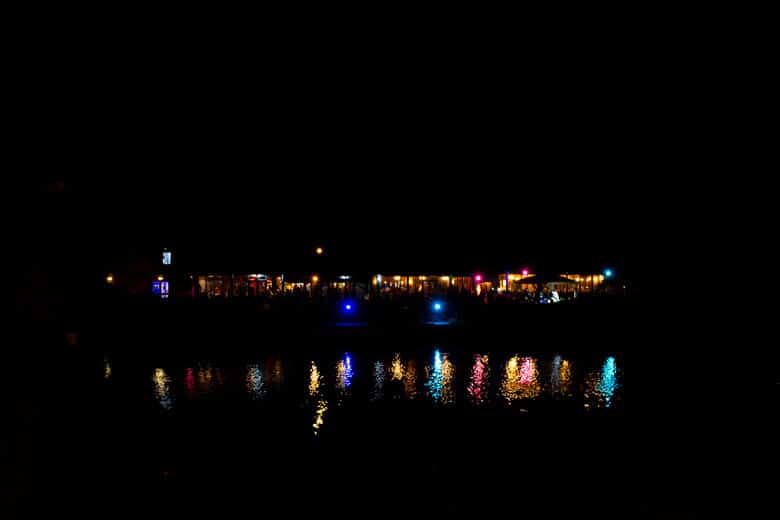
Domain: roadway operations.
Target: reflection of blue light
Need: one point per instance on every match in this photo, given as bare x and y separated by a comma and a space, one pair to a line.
555, 375
347, 371
608, 381
437, 306
607, 272
436, 381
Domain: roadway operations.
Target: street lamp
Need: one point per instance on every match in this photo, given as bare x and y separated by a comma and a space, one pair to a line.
319, 251
110, 278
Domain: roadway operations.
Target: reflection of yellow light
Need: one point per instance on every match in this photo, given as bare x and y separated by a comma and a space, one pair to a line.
315, 279
318, 251
396, 278
520, 379
445, 279
160, 278
422, 278
110, 279
314, 379
397, 369
322, 407
410, 382
565, 375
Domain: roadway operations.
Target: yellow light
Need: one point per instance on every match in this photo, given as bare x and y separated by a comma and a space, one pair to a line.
319, 251
422, 278
397, 367
445, 279
160, 278
110, 279
315, 279
396, 278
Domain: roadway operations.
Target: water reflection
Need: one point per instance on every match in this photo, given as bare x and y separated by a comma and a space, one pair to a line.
560, 377
477, 389
517, 378
162, 389
344, 378
441, 379
208, 379
410, 380
319, 415
520, 380
378, 390
396, 368
189, 382
276, 372
106, 368
255, 385
319, 401
601, 386
344, 373
314, 379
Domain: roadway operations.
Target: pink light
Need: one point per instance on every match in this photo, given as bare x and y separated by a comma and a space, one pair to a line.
527, 371
189, 381
525, 272
478, 278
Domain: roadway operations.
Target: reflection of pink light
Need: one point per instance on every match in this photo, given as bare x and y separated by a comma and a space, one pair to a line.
189, 381
527, 371
477, 376
478, 278
525, 272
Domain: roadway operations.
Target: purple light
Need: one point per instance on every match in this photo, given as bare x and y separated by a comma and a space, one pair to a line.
525, 272
478, 278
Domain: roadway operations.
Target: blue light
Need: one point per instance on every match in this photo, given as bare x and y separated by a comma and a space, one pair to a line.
608, 381
348, 307
607, 272
437, 306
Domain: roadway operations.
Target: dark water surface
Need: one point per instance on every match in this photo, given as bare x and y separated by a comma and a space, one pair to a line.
358, 427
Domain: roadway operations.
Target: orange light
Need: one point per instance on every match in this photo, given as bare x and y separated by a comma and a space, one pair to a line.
160, 278
319, 251
110, 279
315, 279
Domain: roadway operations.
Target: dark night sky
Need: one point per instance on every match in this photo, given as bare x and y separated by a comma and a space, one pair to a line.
470, 163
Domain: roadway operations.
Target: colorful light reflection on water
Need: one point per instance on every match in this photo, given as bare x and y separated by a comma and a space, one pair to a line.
397, 377
520, 380
255, 385
344, 373
318, 398
441, 379
602, 386
162, 389
477, 389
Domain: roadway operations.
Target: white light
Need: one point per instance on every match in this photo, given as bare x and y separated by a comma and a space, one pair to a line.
344, 277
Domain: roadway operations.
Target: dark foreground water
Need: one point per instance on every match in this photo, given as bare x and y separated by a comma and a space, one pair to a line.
357, 427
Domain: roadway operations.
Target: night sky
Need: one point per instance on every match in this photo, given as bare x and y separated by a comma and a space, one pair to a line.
483, 173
